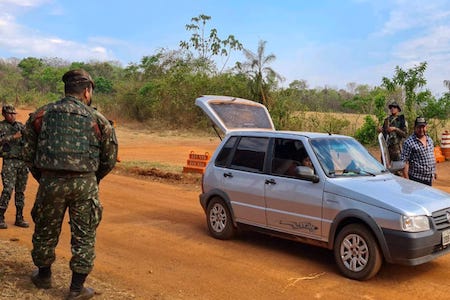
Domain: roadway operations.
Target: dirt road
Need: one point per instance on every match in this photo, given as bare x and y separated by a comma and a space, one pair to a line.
153, 242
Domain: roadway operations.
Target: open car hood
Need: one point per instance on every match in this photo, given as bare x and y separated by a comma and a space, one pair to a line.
230, 113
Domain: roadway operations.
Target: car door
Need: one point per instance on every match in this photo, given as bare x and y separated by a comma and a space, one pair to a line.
392, 165
243, 180
293, 205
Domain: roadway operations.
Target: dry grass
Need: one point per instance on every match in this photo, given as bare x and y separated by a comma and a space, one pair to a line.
16, 267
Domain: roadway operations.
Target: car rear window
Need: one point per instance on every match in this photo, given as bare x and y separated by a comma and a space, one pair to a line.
224, 155
250, 154
235, 115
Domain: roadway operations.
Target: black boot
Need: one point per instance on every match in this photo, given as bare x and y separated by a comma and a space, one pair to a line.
42, 278
2, 219
20, 222
84, 294
77, 291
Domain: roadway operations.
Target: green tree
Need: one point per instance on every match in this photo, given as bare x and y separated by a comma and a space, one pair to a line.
31, 68
437, 112
11, 82
262, 76
103, 85
208, 45
409, 82
367, 133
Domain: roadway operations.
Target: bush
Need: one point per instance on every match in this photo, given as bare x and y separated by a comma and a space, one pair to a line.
367, 133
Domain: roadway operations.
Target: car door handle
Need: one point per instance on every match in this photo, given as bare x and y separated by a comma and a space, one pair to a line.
228, 175
271, 181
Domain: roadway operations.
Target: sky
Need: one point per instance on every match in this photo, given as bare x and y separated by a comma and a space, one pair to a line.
327, 43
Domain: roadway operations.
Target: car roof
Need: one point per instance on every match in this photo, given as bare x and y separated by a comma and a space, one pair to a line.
277, 133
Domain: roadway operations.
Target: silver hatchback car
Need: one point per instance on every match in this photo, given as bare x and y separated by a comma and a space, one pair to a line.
318, 188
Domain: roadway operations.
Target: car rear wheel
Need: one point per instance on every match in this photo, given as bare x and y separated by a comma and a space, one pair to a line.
220, 222
357, 253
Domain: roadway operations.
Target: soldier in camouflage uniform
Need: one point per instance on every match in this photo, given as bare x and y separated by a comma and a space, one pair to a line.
394, 131
14, 169
70, 147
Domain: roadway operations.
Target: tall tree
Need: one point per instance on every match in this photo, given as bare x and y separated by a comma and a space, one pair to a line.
261, 74
11, 82
208, 45
409, 81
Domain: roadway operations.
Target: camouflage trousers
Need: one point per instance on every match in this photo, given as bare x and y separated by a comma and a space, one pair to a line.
395, 151
79, 195
14, 177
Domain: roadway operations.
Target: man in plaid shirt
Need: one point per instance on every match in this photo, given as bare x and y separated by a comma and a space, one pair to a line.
418, 154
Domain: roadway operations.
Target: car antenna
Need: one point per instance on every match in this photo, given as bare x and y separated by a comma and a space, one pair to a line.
329, 131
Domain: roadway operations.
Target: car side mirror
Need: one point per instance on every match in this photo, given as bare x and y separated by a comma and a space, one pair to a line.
307, 173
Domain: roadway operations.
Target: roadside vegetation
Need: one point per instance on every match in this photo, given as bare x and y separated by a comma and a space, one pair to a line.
159, 90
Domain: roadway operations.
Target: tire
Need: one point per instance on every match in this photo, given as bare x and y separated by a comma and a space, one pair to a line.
219, 219
357, 253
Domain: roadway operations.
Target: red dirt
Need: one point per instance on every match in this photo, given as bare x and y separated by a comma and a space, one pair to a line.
153, 242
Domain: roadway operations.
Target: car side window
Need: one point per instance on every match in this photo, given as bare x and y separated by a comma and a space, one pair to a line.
250, 154
224, 155
288, 155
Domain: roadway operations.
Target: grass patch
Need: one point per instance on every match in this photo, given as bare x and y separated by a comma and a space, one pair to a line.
129, 165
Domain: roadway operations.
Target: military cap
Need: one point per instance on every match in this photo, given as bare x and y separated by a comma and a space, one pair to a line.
394, 104
8, 109
420, 121
77, 76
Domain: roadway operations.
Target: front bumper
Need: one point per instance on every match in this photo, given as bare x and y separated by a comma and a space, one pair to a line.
414, 248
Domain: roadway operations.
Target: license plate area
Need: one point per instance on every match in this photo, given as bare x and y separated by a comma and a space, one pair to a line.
445, 237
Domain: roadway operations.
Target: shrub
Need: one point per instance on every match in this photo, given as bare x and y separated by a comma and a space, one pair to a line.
367, 133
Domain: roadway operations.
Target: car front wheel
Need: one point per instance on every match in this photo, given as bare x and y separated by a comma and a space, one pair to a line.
357, 253
220, 222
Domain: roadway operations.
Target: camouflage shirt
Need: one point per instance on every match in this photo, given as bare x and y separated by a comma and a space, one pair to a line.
10, 147
101, 155
396, 137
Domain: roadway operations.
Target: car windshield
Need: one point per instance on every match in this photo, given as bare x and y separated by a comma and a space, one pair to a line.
343, 156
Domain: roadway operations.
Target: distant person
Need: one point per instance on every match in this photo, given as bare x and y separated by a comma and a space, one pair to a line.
70, 147
394, 131
418, 155
14, 169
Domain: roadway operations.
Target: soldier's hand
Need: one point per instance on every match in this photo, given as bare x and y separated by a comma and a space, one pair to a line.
17, 135
391, 129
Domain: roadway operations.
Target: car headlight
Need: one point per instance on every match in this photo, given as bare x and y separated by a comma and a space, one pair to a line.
415, 223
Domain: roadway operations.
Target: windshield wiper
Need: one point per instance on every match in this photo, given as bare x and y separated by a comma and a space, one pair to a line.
367, 173
358, 171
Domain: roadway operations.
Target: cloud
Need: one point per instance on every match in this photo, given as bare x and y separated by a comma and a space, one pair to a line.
24, 41
408, 14
435, 43
418, 32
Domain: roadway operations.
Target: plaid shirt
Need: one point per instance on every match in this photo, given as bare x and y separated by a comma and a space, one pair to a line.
422, 163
